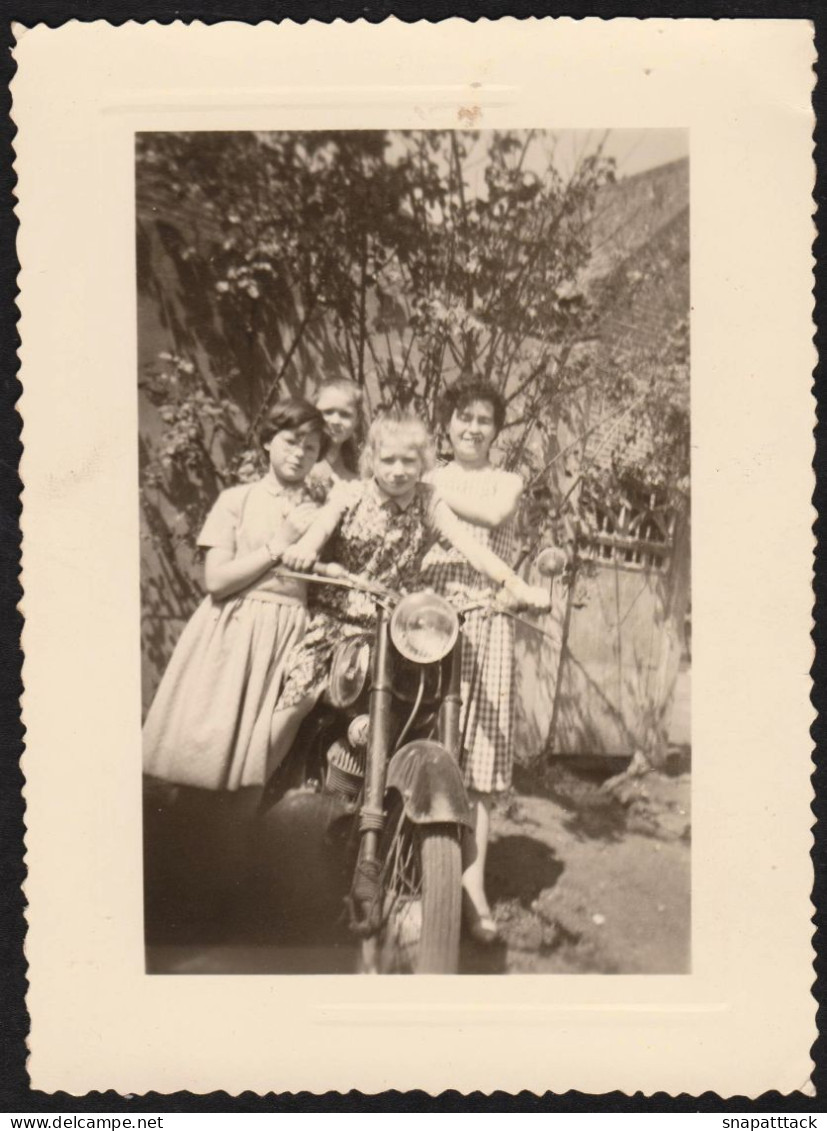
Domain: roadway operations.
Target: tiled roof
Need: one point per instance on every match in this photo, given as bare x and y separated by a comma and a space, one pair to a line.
631, 211
637, 218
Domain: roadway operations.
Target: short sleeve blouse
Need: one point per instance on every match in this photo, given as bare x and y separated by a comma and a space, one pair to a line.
243, 519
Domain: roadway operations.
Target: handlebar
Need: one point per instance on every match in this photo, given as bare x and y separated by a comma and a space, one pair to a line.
331, 573
493, 605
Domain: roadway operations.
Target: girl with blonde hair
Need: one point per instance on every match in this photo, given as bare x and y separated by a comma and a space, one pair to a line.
379, 528
340, 401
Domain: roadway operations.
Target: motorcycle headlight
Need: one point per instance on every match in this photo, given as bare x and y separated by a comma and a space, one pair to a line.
424, 628
349, 672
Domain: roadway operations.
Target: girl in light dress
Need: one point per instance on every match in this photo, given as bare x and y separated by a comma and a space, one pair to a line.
210, 721
380, 528
485, 500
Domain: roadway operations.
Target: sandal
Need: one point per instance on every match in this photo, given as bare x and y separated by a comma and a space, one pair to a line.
482, 928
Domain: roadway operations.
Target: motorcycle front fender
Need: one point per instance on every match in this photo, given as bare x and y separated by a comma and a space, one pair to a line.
429, 781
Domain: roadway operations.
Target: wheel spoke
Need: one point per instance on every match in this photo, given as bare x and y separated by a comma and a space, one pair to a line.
420, 924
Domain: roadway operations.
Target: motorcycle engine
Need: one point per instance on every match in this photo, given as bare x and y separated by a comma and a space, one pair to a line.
346, 761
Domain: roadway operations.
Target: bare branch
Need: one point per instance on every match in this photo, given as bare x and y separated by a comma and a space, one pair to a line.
288, 357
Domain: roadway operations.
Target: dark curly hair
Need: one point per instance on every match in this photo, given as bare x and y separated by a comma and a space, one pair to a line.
291, 414
469, 388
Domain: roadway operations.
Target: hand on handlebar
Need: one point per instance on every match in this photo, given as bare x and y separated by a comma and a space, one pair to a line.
300, 556
520, 593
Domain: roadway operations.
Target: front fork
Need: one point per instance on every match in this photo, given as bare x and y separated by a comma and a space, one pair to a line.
371, 816
366, 891
372, 813
449, 712
365, 897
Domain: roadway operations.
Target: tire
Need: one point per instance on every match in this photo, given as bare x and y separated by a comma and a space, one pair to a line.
441, 901
422, 878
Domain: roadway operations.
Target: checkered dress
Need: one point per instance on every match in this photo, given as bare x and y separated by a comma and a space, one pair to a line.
487, 660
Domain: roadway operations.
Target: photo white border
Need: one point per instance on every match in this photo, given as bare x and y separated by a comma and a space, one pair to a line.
744, 1020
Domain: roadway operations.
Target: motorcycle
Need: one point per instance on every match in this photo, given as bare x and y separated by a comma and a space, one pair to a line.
373, 782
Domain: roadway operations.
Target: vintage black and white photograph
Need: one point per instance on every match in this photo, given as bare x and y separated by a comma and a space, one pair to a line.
417, 435
415, 530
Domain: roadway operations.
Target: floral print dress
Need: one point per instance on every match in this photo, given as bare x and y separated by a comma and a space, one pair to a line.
377, 539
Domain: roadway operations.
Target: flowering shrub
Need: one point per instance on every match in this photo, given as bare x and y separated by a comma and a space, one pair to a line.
401, 260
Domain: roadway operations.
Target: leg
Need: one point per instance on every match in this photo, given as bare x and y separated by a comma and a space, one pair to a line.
284, 727
486, 683
474, 850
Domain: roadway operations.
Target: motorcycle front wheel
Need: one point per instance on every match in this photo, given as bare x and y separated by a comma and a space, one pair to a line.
422, 899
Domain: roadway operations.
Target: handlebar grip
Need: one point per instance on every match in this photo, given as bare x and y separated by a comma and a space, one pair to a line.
330, 569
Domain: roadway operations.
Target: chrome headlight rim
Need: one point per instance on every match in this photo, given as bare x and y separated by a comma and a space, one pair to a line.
359, 647
416, 604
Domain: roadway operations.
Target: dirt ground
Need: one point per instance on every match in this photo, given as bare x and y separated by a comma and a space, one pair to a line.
582, 881
586, 878
585, 875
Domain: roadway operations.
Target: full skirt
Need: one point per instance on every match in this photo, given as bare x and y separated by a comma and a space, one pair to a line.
209, 724
486, 720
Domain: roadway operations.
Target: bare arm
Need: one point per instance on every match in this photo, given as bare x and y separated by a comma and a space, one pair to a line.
225, 574
488, 504
304, 553
482, 559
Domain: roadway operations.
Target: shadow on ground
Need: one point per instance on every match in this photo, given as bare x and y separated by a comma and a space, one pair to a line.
587, 872
596, 806
519, 869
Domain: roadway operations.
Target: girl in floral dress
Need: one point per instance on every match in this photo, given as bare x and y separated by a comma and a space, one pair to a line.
379, 528
484, 499
210, 722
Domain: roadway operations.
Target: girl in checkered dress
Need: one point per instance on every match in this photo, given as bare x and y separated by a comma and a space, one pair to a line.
484, 499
